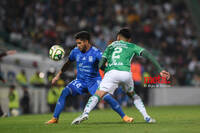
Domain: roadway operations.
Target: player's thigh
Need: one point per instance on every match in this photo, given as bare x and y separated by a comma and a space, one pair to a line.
76, 87
109, 82
127, 82
93, 85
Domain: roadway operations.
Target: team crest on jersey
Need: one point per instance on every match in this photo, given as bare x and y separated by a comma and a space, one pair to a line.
90, 58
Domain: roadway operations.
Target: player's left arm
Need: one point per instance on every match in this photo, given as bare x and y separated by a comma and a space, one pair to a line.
146, 54
102, 63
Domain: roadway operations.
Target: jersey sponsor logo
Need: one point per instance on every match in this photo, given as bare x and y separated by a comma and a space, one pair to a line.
83, 58
84, 70
119, 44
84, 66
116, 64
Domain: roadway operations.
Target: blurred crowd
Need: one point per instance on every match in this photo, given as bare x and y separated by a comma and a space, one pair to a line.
163, 27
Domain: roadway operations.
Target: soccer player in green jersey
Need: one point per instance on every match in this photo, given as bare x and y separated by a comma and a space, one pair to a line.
116, 62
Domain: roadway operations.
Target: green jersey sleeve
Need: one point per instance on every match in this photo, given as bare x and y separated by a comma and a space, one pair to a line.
106, 52
138, 50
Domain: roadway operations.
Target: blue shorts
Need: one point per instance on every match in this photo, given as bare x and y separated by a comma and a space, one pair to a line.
79, 87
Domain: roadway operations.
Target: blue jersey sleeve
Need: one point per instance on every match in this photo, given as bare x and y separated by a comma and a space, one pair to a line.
72, 55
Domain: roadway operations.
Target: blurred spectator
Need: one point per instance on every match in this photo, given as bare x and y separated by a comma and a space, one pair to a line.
145, 87
196, 80
38, 83
11, 77
21, 78
37, 80
25, 100
60, 85
13, 101
193, 64
50, 74
137, 72
53, 95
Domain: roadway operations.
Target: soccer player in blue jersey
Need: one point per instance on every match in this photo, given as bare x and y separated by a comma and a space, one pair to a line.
88, 78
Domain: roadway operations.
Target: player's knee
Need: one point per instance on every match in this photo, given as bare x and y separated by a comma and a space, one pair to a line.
135, 96
131, 93
100, 93
66, 91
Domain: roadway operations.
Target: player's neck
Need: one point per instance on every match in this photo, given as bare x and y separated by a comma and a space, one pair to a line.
125, 40
121, 38
88, 47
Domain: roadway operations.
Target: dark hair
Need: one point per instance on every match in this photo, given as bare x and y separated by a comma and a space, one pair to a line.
125, 32
82, 35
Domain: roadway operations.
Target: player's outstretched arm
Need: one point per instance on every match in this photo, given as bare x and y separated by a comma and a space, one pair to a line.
102, 63
150, 57
9, 52
63, 69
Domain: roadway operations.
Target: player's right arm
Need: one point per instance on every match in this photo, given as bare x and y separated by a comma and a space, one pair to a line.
63, 69
9, 52
146, 54
150, 57
71, 58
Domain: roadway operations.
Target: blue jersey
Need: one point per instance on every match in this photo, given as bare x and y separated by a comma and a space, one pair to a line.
88, 77
87, 63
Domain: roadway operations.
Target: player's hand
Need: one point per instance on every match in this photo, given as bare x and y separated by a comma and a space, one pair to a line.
165, 74
11, 52
54, 80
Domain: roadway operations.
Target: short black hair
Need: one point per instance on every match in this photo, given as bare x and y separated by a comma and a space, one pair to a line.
125, 32
82, 35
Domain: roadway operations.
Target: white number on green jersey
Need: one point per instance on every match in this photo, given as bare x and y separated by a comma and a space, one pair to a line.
115, 55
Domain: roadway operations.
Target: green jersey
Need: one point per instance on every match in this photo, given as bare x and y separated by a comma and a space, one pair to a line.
119, 55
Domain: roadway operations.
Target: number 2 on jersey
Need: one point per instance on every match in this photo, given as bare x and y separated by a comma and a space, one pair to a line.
115, 55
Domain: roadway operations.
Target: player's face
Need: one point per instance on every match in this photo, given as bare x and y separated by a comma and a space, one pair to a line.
81, 44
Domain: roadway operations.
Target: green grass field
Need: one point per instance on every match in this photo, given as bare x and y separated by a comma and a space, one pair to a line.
177, 119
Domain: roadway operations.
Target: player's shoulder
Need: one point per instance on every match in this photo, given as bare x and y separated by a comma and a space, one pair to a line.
76, 49
129, 44
113, 44
120, 44
96, 50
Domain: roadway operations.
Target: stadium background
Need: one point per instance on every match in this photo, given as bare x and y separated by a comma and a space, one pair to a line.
169, 29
